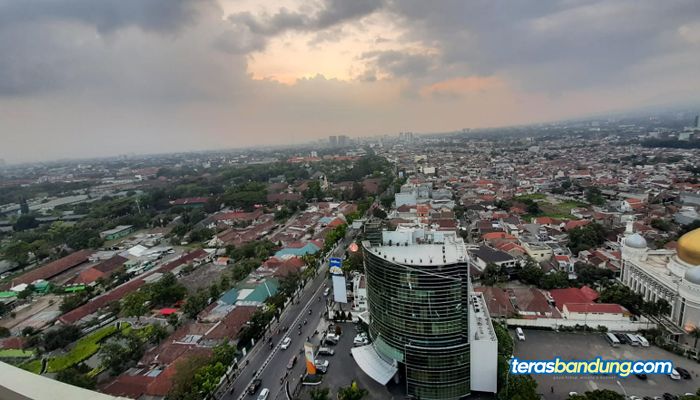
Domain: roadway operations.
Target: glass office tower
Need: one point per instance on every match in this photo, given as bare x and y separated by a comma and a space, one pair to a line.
418, 301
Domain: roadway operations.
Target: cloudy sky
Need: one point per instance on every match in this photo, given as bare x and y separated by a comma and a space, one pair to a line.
83, 78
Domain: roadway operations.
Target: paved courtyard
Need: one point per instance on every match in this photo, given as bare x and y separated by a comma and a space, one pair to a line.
547, 345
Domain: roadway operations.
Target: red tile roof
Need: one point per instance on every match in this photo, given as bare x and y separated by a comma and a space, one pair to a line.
575, 224
101, 301
100, 270
54, 268
596, 308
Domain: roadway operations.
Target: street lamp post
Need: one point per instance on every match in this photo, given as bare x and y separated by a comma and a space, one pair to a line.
622, 387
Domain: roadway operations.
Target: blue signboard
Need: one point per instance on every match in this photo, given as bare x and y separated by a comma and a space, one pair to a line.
335, 262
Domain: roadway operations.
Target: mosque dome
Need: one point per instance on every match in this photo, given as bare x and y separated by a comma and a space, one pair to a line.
636, 241
692, 275
689, 248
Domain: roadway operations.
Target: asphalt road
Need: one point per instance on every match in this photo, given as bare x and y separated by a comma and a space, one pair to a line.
270, 365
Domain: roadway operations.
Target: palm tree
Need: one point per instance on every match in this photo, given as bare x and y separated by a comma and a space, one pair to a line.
352, 392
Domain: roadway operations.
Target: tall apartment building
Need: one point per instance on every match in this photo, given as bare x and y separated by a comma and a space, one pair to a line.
418, 295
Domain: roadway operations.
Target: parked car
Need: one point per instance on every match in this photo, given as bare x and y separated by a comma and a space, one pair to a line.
254, 386
332, 338
669, 396
264, 394
641, 376
326, 351
292, 362
674, 375
360, 340
622, 338
285, 343
521, 335
322, 365
683, 373
643, 341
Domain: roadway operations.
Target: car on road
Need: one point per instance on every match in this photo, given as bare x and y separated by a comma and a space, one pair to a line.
327, 291
521, 335
322, 365
292, 362
332, 338
360, 340
254, 386
326, 351
285, 343
264, 394
674, 375
683, 373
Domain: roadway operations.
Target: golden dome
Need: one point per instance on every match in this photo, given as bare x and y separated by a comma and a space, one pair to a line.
689, 247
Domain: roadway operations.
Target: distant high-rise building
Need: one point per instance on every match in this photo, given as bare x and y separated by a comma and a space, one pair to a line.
342, 140
418, 296
696, 125
333, 141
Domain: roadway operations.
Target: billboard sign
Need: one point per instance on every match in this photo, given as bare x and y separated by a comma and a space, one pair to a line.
336, 266
340, 294
309, 355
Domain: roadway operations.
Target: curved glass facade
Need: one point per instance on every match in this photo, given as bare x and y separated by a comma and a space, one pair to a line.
419, 317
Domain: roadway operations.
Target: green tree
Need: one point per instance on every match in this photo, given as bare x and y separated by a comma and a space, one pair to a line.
118, 357
18, 252
624, 296
595, 196
25, 222
555, 280
531, 272
77, 376
320, 393
195, 303
184, 379
352, 392
520, 387
60, 337
134, 304
586, 237
4, 332
493, 274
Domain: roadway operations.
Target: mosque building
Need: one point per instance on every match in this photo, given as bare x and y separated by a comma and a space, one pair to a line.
672, 275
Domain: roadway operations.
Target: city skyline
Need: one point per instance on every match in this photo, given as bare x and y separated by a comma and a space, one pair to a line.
93, 80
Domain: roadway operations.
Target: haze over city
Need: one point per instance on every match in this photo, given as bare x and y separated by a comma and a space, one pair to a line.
80, 78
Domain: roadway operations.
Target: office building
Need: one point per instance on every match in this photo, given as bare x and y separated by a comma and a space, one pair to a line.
418, 295
333, 141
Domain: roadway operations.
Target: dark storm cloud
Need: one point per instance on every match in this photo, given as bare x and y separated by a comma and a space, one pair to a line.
400, 64
258, 28
50, 45
549, 45
105, 15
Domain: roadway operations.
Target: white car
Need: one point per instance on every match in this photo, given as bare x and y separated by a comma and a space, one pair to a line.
674, 375
572, 394
332, 338
326, 292
635, 398
521, 335
322, 363
285, 343
264, 394
360, 340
